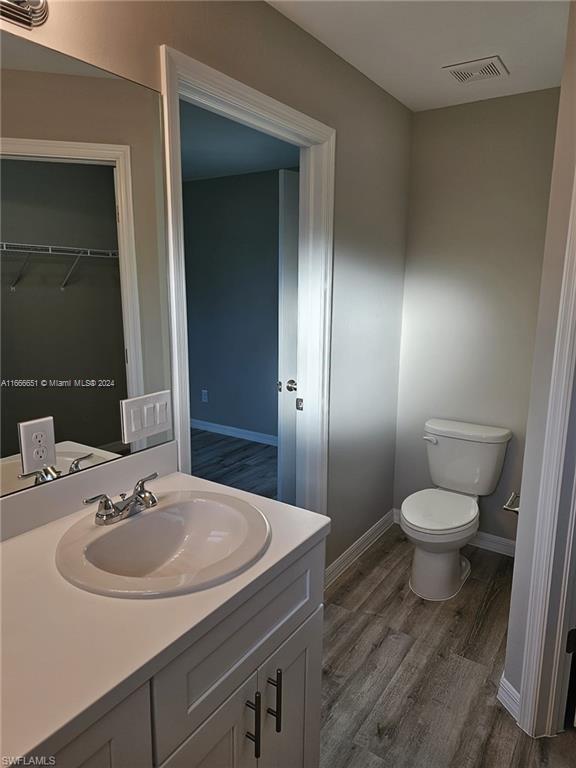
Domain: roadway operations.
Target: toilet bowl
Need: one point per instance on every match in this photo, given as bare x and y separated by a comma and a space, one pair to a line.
439, 523
465, 462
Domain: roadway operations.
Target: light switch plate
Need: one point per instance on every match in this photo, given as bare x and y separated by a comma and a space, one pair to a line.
146, 415
37, 444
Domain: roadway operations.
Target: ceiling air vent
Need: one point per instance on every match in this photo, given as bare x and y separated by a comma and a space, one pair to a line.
480, 69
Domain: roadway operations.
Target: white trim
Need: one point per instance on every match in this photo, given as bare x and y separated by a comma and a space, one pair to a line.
561, 665
544, 630
492, 543
186, 78
509, 697
117, 155
397, 513
243, 434
357, 549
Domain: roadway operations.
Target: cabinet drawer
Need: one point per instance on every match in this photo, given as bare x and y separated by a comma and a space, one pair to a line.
191, 687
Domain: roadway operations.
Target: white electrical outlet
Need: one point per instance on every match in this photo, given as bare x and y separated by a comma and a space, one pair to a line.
145, 416
204, 395
37, 444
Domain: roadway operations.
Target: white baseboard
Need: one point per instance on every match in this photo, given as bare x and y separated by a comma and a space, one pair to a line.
509, 697
494, 543
355, 550
243, 434
396, 513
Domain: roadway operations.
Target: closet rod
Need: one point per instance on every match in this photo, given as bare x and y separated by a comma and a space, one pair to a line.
57, 250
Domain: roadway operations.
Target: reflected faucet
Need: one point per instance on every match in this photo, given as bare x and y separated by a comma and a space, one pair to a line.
44, 475
75, 466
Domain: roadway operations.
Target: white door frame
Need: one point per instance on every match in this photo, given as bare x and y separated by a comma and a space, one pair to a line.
188, 79
545, 667
289, 205
118, 156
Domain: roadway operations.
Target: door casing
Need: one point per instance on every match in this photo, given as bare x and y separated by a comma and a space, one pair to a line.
191, 80
288, 182
117, 156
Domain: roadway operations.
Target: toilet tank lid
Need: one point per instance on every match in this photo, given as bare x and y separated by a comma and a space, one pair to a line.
463, 430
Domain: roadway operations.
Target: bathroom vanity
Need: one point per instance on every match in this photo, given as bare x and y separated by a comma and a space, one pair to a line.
225, 676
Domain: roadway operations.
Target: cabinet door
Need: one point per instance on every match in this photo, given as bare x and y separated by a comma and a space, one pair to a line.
121, 739
221, 741
290, 681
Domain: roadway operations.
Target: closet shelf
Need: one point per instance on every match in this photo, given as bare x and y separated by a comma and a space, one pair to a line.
29, 249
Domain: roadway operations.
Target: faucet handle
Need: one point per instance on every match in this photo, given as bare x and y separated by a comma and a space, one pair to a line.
146, 496
75, 465
106, 503
106, 509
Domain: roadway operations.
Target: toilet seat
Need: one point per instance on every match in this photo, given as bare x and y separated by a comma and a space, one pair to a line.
435, 511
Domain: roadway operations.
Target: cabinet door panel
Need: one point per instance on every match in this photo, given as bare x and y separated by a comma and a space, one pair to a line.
221, 741
121, 739
297, 745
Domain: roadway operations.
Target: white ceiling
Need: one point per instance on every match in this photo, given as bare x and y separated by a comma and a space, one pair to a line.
214, 146
402, 46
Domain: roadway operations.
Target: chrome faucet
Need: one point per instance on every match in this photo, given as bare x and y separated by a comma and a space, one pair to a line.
75, 466
110, 512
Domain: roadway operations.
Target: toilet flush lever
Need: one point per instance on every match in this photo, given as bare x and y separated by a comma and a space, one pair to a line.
430, 439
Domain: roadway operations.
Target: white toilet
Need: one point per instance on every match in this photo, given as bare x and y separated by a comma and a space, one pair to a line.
465, 462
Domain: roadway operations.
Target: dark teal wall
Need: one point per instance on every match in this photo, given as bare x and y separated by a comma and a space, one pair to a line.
231, 243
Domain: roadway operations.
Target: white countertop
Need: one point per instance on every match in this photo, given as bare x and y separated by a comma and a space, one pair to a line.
68, 655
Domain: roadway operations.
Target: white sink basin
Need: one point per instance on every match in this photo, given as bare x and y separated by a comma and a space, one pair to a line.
189, 541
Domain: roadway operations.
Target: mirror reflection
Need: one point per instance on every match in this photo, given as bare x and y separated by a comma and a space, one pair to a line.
83, 267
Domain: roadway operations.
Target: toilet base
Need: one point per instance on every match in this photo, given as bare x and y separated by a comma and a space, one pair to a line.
438, 575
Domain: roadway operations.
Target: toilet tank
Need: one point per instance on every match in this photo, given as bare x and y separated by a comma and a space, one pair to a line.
464, 457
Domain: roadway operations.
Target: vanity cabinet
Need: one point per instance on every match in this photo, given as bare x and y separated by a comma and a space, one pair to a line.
189, 689
272, 719
245, 694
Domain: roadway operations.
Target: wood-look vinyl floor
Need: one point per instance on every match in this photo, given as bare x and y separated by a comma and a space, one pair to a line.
412, 684
238, 463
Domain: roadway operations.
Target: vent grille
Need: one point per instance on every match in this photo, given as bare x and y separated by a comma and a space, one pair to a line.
481, 69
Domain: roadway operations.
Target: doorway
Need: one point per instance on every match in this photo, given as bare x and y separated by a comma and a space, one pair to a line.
240, 205
185, 79
56, 269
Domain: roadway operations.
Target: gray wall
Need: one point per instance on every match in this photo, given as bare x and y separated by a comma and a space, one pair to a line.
52, 334
479, 195
554, 253
231, 246
58, 203
257, 45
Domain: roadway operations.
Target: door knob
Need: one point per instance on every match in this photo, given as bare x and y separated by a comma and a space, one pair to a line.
291, 385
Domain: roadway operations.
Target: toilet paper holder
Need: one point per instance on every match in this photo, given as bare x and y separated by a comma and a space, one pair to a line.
513, 503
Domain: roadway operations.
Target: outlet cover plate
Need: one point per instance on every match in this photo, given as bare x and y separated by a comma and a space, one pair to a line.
37, 444
146, 415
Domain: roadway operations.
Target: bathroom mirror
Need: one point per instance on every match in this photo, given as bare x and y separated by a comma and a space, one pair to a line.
83, 257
